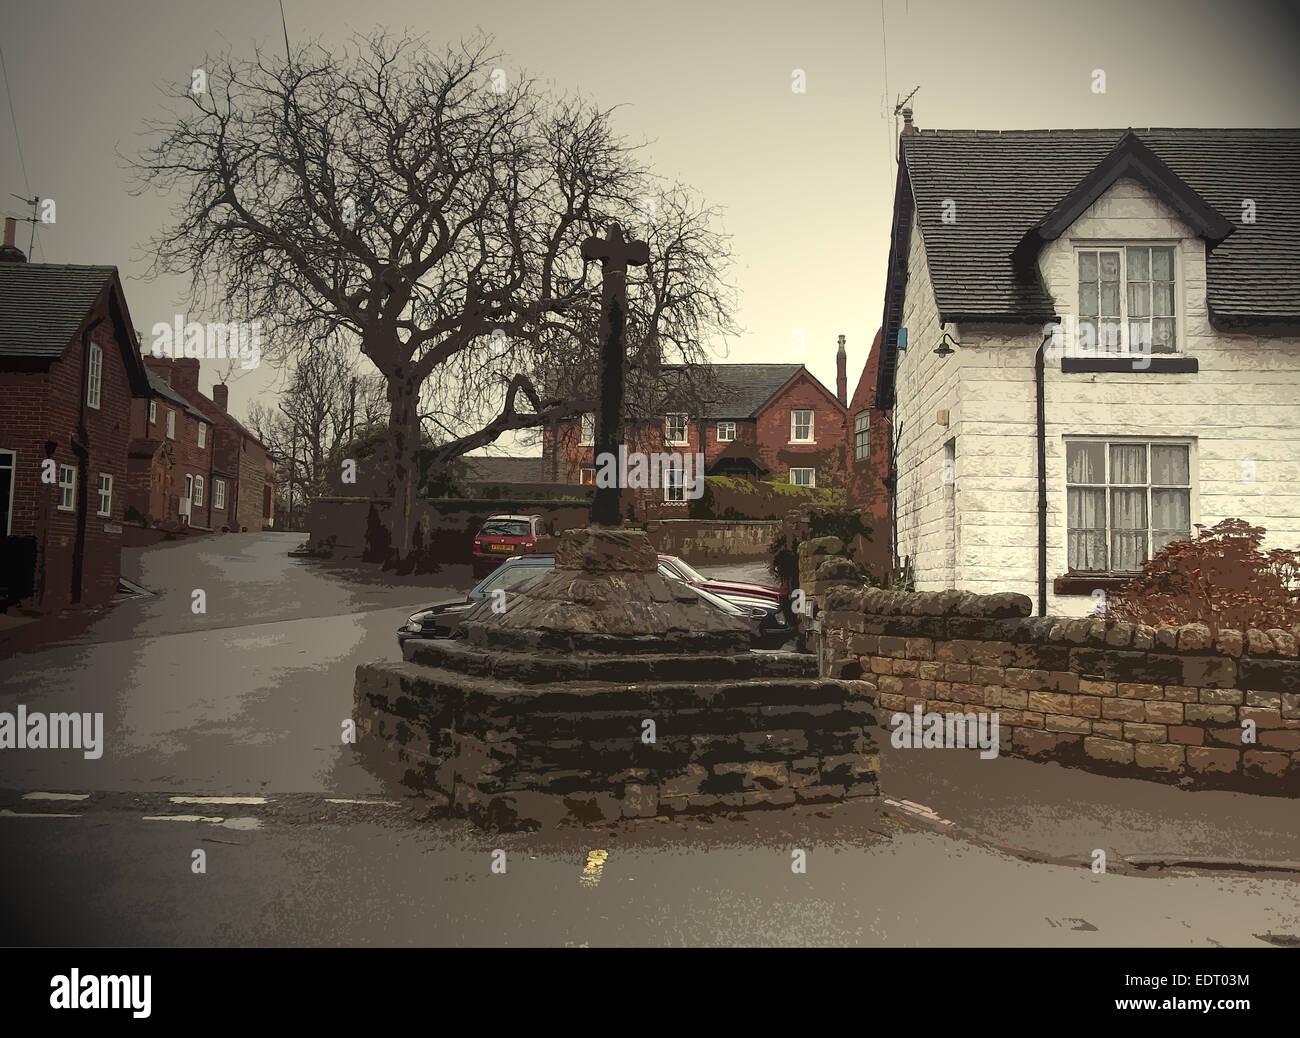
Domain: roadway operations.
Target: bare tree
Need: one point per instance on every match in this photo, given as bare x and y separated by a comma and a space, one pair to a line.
326, 400
432, 214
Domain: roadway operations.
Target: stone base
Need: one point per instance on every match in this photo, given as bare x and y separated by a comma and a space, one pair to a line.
523, 742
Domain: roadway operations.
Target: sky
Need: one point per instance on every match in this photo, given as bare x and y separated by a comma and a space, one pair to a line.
805, 180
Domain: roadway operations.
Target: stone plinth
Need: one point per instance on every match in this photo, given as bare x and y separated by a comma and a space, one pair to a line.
606, 692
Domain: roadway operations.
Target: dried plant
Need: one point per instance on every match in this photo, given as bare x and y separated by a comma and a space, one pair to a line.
1220, 578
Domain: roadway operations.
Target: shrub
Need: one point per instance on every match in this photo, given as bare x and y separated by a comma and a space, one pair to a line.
1219, 578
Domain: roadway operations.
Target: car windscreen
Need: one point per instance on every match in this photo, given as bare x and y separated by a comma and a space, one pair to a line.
505, 528
512, 576
691, 574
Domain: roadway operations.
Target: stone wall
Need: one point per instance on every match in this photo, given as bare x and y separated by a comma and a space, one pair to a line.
513, 741
1169, 702
703, 540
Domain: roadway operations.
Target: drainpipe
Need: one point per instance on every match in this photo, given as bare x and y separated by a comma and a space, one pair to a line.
1039, 372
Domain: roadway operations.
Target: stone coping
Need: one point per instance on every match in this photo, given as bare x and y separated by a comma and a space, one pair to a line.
1017, 626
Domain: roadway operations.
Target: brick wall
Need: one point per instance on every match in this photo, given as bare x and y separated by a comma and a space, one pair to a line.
709, 540
1168, 702
45, 402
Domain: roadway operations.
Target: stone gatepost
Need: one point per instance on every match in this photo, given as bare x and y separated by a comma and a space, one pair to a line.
605, 691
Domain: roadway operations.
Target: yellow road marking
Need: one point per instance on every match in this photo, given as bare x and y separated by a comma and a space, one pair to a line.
591, 873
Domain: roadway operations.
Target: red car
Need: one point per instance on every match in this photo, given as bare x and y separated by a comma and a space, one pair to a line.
504, 536
726, 588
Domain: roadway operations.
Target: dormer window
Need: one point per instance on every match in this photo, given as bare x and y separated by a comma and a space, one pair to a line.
1127, 299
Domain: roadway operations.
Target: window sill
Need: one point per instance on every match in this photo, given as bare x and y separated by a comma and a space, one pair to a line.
1125, 365
1086, 584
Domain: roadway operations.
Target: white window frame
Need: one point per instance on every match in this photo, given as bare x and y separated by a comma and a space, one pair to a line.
862, 436
219, 494
587, 430
794, 425
153, 411
198, 491
70, 486
686, 430
203, 435
582, 476
95, 376
726, 432
812, 477
674, 484
1125, 346
171, 424
12, 465
105, 508
1193, 495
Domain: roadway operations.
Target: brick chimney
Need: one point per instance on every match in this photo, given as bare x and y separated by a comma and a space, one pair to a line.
9, 252
185, 376
907, 121
221, 396
842, 374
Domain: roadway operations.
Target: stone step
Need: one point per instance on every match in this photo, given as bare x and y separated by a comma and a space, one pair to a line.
529, 669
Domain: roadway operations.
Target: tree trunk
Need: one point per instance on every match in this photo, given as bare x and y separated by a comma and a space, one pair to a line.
404, 433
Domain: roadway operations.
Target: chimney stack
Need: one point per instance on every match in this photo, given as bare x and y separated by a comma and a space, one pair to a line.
842, 374
9, 252
907, 121
221, 396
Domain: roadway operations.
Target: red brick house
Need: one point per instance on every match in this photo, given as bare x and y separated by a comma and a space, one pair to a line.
765, 421
218, 467
871, 470
68, 373
169, 481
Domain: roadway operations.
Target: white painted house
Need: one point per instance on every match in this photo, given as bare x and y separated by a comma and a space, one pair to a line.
1140, 289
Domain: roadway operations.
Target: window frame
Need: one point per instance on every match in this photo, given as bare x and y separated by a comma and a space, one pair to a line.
106, 513
731, 426
1122, 246
794, 424
862, 436
153, 412
674, 482
582, 476
584, 438
171, 423
203, 435
70, 486
12, 465
95, 376
686, 429
198, 492
1106, 442
219, 494
812, 476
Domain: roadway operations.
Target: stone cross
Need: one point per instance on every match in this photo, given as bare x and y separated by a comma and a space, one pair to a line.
615, 253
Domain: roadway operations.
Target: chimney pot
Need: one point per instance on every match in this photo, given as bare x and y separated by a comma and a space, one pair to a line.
907, 121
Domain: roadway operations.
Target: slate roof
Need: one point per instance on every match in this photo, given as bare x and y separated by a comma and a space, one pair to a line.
1005, 182
1009, 184
43, 304
741, 390
507, 470
158, 386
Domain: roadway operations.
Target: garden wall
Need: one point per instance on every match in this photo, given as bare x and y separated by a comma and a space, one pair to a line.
1169, 703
